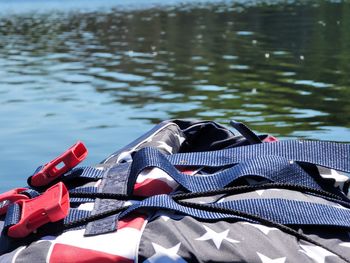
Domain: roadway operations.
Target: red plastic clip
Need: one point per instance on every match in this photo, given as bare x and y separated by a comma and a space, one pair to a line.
51, 206
62, 164
10, 197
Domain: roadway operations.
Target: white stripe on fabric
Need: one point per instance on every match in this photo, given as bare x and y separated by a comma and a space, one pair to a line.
121, 243
156, 173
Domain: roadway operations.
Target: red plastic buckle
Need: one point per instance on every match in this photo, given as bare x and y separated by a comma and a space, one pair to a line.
10, 197
51, 206
62, 164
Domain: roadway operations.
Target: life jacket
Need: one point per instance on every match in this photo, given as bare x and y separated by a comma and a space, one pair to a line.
186, 191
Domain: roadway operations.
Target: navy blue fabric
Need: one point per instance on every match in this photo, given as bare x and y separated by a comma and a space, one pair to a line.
107, 224
13, 215
246, 132
80, 200
89, 189
85, 172
326, 154
76, 214
166, 202
30, 193
92, 172
115, 181
273, 168
283, 211
88, 173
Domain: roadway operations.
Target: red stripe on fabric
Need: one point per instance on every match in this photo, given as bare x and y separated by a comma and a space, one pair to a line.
270, 139
151, 187
187, 170
65, 253
136, 220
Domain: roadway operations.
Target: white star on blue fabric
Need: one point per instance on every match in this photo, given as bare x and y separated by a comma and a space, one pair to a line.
216, 237
165, 255
318, 254
265, 259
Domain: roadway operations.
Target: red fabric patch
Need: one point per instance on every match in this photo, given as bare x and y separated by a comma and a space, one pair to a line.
64, 253
151, 187
187, 170
135, 221
270, 139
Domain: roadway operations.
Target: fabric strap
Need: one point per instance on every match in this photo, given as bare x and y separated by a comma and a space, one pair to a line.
326, 154
282, 211
269, 160
273, 168
84, 172
89, 189
13, 215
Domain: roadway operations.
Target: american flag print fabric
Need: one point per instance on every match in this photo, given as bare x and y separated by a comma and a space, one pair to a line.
161, 235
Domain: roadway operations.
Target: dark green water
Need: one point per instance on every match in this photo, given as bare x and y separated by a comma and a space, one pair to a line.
105, 72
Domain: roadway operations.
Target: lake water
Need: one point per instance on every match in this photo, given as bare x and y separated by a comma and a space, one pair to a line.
106, 71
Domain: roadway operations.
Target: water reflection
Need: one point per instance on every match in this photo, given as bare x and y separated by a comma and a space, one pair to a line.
281, 67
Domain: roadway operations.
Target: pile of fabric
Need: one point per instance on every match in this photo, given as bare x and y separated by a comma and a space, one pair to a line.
185, 191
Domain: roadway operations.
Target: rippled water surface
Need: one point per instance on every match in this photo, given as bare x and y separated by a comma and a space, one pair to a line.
106, 71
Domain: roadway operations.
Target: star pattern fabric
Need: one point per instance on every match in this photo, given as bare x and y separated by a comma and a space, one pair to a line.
168, 236
165, 255
241, 243
217, 238
265, 259
166, 215
318, 254
262, 228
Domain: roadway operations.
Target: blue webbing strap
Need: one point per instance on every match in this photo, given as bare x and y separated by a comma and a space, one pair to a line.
13, 215
76, 214
282, 211
89, 189
92, 172
327, 154
166, 202
80, 200
85, 172
30, 193
273, 168
89, 173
